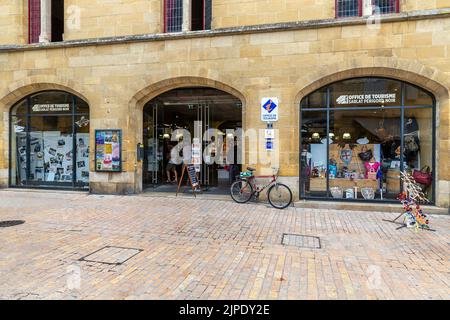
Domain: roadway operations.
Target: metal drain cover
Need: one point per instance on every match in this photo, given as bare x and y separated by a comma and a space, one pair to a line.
301, 241
11, 223
111, 255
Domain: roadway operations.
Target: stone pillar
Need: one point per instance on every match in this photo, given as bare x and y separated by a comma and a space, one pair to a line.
186, 15
46, 21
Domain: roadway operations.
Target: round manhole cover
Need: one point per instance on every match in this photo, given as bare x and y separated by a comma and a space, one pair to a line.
12, 223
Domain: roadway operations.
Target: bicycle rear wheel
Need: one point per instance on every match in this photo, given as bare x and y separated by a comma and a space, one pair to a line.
279, 196
241, 191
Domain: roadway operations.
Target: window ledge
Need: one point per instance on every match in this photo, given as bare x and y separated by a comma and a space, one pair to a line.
276, 27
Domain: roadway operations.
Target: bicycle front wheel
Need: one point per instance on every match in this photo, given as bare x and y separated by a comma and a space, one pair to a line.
279, 196
241, 191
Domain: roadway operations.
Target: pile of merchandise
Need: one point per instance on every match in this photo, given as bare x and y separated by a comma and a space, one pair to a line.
411, 199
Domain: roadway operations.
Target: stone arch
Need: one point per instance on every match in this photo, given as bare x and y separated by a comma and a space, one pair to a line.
430, 79
138, 101
438, 89
146, 94
18, 91
13, 94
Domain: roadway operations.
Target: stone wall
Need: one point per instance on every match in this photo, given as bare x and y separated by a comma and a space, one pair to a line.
231, 13
99, 18
13, 22
117, 79
411, 5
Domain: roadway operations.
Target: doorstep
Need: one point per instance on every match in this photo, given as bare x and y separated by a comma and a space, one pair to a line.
46, 190
189, 195
356, 206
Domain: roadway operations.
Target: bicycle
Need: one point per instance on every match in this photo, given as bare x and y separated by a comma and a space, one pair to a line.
278, 194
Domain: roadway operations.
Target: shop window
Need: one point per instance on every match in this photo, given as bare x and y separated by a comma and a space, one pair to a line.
356, 145
34, 20
49, 141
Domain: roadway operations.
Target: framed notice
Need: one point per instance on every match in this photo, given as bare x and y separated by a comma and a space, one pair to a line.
108, 150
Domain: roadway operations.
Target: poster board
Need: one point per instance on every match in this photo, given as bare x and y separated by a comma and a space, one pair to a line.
108, 150
189, 169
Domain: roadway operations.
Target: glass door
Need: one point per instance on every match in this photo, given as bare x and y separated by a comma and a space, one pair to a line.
203, 118
151, 157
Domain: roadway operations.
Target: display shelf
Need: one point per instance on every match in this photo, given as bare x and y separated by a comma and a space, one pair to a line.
320, 184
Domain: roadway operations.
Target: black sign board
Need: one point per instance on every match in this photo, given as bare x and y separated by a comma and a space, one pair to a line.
192, 178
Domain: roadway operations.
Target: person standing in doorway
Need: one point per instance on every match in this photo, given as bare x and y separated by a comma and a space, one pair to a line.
171, 166
234, 167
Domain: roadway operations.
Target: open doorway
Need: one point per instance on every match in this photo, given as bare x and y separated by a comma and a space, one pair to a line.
213, 116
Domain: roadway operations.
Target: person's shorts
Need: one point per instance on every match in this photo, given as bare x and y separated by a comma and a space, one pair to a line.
171, 166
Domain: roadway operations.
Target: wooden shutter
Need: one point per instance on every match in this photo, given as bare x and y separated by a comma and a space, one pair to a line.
34, 20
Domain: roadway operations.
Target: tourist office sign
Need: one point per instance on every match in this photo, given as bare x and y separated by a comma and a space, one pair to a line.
51, 107
269, 109
367, 99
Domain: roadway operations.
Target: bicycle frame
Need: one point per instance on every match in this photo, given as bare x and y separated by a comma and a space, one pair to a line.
256, 189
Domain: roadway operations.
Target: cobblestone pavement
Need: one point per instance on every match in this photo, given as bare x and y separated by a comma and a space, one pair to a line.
198, 249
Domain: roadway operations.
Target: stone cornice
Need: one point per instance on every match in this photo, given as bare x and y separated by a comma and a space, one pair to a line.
275, 27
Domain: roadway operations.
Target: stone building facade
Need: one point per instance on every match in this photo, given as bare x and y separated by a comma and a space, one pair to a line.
116, 57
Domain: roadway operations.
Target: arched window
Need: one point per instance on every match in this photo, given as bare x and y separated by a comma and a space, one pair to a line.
358, 134
49, 141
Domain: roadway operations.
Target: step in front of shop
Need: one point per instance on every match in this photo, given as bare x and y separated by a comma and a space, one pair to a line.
353, 206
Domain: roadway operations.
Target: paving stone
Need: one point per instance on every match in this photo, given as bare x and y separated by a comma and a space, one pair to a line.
203, 249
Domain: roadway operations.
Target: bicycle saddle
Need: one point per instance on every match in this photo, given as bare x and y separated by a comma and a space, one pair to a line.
251, 169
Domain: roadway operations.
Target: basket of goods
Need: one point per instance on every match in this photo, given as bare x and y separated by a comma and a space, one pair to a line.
368, 193
337, 192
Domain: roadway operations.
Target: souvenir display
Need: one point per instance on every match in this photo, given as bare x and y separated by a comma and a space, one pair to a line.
363, 140
370, 144
332, 168
372, 170
365, 155
346, 156
424, 176
336, 192
346, 170
368, 193
349, 194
